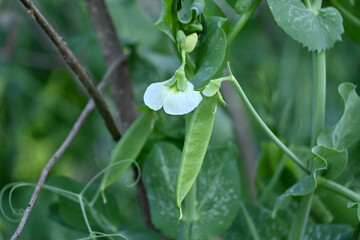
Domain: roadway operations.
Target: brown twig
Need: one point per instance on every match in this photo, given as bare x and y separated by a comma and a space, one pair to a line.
75, 65
75, 129
121, 84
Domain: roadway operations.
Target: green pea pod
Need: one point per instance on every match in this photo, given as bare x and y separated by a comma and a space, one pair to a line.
128, 147
196, 142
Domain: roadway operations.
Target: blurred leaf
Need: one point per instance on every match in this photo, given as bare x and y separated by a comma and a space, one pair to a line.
346, 131
350, 10
355, 205
336, 160
211, 51
266, 226
317, 30
191, 9
328, 232
168, 20
218, 190
131, 25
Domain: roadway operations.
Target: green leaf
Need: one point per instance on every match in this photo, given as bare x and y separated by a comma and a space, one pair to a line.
131, 24
211, 51
159, 177
191, 9
266, 226
346, 131
301, 188
129, 147
168, 19
315, 29
336, 160
355, 205
218, 191
350, 10
332, 231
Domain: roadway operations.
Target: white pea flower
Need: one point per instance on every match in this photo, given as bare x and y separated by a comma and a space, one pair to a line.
168, 95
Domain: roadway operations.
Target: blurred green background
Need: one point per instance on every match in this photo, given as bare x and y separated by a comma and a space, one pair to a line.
40, 98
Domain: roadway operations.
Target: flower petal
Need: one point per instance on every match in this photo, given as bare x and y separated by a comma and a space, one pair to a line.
182, 102
155, 95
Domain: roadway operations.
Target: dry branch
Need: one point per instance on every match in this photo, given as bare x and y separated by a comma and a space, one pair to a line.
75, 65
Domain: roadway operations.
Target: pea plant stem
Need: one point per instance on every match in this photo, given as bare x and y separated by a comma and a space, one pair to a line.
319, 98
302, 215
249, 222
339, 189
242, 21
265, 128
319, 94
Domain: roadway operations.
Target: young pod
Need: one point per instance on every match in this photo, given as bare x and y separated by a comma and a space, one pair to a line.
196, 143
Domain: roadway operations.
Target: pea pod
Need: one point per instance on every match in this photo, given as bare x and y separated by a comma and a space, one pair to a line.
128, 147
196, 143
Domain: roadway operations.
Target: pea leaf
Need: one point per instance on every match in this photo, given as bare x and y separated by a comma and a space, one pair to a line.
211, 51
332, 231
168, 20
301, 188
345, 132
266, 226
336, 160
355, 205
315, 29
159, 177
218, 191
191, 9
131, 25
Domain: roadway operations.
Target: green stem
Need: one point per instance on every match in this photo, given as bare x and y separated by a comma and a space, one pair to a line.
317, 4
190, 204
319, 92
302, 215
269, 187
319, 98
241, 22
307, 3
265, 128
339, 189
249, 222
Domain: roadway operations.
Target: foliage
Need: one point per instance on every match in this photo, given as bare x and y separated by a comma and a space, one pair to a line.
200, 170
